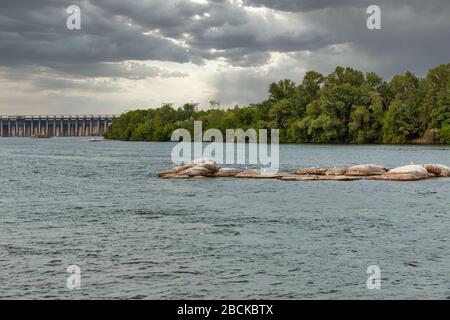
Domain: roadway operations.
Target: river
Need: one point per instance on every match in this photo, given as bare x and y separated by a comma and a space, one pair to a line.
66, 201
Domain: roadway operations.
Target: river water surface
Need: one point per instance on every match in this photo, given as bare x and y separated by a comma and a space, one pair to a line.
66, 201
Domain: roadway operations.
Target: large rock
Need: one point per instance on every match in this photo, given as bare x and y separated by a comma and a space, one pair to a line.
396, 177
184, 167
336, 171
198, 170
311, 170
298, 177
338, 178
200, 167
365, 170
438, 170
227, 172
406, 173
177, 169
165, 173
318, 178
414, 169
258, 174
209, 164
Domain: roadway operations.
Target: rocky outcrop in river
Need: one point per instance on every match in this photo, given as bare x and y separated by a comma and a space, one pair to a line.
206, 168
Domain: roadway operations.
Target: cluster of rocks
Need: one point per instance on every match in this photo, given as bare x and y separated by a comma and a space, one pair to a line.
414, 172
206, 168
359, 170
375, 172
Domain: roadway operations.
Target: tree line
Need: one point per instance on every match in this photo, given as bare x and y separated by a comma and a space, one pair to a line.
346, 106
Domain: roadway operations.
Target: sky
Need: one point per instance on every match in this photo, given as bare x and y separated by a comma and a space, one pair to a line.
143, 53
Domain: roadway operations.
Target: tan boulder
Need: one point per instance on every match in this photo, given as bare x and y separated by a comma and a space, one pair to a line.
258, 174
183, 167
336, 171
209, 164
413, 169
439, 170
198, 170
406, 173
318, 178
213, 168
164, 173
200, 167
365, 170
297, 177
338, 178
311, 170
173, 170
396, 177
227, 172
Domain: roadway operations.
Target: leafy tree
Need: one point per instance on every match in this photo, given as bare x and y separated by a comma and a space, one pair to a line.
312, 82
402, 123
444, 134
284, 89
435, 108
280, 113
345, 106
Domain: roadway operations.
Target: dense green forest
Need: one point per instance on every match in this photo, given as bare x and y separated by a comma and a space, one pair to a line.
346, 106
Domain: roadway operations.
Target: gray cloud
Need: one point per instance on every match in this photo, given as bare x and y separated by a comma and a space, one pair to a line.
132, 40
39, 36
305, 5
131, 70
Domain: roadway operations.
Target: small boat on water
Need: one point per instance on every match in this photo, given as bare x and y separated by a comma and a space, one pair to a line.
95, 140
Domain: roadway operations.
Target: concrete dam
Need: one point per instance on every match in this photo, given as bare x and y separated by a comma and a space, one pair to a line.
54, 126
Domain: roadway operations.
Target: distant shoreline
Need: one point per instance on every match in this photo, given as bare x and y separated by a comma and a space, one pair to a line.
281, 143
346, 106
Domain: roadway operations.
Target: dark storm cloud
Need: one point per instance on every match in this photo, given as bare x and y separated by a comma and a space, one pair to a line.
38, 35
411, 38
245, 34
172, 18
305, 5
181, 31
310, 5
113, 30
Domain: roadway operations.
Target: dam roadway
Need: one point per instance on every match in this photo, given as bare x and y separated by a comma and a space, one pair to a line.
55, 126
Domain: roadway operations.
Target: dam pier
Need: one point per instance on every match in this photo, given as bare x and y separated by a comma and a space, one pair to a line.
54, 126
